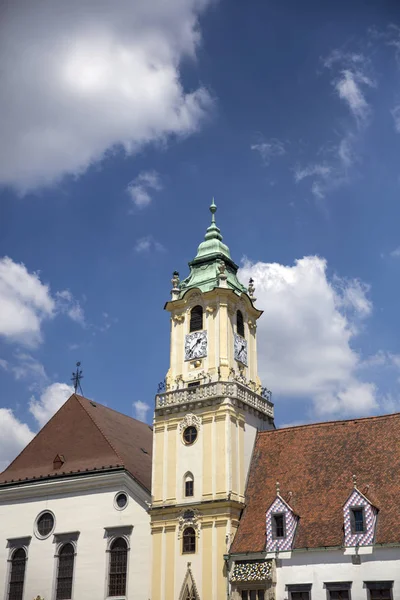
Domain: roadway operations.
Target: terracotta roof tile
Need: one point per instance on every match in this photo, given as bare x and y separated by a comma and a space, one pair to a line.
89, 436
316, 463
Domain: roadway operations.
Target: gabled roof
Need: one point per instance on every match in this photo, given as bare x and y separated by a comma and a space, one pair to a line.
90, 437
314, 465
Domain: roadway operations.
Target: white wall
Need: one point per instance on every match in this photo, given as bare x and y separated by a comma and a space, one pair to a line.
86, 506
333, 566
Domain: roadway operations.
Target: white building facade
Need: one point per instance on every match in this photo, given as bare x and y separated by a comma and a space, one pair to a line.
89, 514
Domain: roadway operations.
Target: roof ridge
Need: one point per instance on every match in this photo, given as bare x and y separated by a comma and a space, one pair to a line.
112, 410
36, 434
334, 422
99, 428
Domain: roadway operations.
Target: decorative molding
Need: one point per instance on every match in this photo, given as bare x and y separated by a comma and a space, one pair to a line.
252, 571
189, 518
178, 318
119, 530
19, 542
189, 421
218, 389
62, 538
211, 309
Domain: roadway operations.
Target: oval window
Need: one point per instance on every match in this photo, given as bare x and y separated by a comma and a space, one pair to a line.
190, 435
121, 500
45, 524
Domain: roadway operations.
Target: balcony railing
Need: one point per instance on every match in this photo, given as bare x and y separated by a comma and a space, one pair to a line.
217, 389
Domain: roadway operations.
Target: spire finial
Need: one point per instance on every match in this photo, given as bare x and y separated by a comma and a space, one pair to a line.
76, 378
355, 480
213, 210
278, 489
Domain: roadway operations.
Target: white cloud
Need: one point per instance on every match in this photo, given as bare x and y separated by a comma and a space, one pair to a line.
353, 76
78, 82
396, 117
395, 253
141, 409
51, 399
4, 364
269, 149
139, 189
14, 435
25, 302
26, 367
322, 170
67, 304
348, 87
148, 244
305, 335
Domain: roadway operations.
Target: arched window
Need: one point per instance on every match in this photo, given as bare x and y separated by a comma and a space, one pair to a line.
17, 575
65, 572
196, 318
118, 568
189, 485
239, 323
189, 541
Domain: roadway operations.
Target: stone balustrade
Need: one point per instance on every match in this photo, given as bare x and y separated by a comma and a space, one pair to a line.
217, 389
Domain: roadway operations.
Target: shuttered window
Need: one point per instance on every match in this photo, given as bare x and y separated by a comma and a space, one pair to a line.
17, 575
118, 568
239, 323
196, 318
65, 573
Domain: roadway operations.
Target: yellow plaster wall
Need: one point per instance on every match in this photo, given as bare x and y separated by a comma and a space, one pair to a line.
233, 462
171, 461
158, 466
220, 454
170, 533
207, 571
242, 482
157, 536
207, 456
220, 564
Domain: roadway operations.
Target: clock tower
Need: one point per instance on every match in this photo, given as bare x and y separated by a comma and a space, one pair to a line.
206, 417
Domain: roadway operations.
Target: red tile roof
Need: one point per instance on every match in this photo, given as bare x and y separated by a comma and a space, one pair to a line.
314, 465
89, 436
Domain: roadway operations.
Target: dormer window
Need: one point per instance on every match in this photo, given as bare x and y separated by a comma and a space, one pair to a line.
196, 318
357, 518
239, 323
278, 526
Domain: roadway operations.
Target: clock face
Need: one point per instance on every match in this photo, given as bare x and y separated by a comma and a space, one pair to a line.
240, 349
196, 345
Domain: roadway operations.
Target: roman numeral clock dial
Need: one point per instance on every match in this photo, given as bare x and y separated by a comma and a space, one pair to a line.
196, 345
240, 349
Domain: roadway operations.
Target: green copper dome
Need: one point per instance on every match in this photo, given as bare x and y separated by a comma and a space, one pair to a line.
208, 264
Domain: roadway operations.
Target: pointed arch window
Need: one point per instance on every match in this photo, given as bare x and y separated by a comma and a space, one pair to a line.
239, 323
65, 573
196, 318
118, 567
189, 541
189, 485
17, 575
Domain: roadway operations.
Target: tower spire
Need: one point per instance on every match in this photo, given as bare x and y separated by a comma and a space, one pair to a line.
213, 210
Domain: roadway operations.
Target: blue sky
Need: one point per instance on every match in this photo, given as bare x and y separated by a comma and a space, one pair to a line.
117, 128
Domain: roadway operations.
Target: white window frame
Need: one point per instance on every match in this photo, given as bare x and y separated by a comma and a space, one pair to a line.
14, 544
111, 534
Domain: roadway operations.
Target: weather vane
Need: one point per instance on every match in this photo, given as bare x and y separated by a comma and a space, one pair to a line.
76, 378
